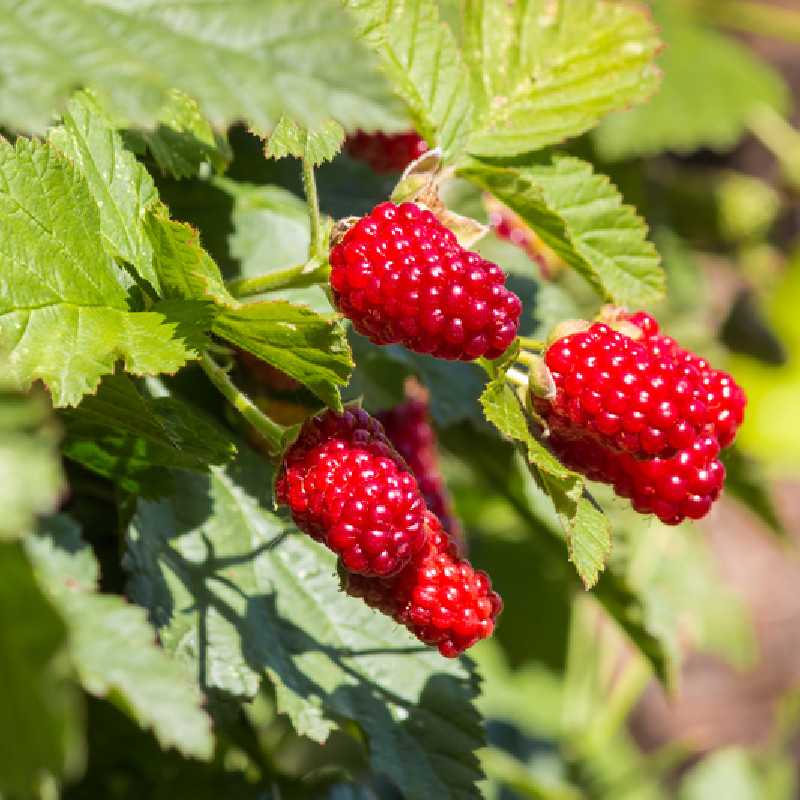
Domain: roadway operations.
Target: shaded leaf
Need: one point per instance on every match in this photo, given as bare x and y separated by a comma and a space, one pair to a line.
581, 216
64, 311
546, 71
39, 716
236, 593
112, 645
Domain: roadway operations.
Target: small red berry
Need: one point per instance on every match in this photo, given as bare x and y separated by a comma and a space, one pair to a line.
386, 152
409, 429
427, 292
439, 597
347, 487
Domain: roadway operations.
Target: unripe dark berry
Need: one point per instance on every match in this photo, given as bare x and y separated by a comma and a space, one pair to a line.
685, 485
409, 429
347, 487
386, 152
439, 597
629, 395
401, 277
723, 398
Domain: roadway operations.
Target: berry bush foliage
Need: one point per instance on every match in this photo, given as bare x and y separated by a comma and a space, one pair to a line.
271, 277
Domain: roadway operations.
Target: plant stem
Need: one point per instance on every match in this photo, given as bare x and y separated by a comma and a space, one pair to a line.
269, 430
517, 378
758, 18
781, 139
294, 277
310, 188
532, 344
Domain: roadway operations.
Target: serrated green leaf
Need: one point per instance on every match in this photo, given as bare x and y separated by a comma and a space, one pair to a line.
183, 140
317, 145
546, 71
420, 56
64, 310
129, 436
580, 214
236, 592
31, 481
695, 107
310, 347
112, 644
120, 185
40, 727
241, 60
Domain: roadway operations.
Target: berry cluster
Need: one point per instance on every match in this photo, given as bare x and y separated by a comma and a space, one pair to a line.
347, 487
401, 277
409, 429
439, 597
643, 415
386, 152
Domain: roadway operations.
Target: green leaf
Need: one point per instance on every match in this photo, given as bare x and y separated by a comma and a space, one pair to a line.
545, 71
64, 311
130, 436
40, 728
310, 347
318, 145
580, 214
120, 185
236, 593
241, 60
31, 481
183, 140
419, 55
697, 106
112, 644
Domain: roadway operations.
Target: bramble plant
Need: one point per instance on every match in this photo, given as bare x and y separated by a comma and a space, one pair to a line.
213, 558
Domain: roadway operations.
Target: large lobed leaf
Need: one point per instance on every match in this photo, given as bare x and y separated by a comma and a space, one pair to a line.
712, 86
113, 646
580, 214
546, 70
236, 593
65, 314
420, 56
241, 60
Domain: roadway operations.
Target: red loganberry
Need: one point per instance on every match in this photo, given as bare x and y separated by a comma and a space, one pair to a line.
439, 597
401, 277
409, 429
683, 485
386, 152
723, 401
629, 395
348, 488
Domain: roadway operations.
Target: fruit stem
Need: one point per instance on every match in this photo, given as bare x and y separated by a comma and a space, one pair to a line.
294, 277
532, 344
758, 18
272, 433
316, 245
517, 377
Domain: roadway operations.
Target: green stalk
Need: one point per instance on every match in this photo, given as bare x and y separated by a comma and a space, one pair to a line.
272, 433
759, 18
294, 277
310, 188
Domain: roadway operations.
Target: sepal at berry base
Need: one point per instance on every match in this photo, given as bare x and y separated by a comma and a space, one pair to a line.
400, 276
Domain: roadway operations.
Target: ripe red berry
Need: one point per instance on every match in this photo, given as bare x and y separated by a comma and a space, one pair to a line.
409, 429
439, 597
683, 485
629, 395
386, 152
348, 488
723, 399
401, 277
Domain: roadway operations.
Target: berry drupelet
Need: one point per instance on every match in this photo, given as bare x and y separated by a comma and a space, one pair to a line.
409, 429
439, 597
401, 277
347, 487
386, 152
